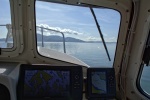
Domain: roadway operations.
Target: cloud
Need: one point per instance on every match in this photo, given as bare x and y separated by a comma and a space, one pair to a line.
105, 34
82, 24
111, 39
47, 8
107, 39
104, 18
107, 15
54, 7
63, 22
68, 31
91, 38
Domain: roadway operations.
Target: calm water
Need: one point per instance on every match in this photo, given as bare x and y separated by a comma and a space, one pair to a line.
94, 55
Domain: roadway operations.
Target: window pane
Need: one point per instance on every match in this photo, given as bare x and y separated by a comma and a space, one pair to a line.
76, 26
6, 39
145, 79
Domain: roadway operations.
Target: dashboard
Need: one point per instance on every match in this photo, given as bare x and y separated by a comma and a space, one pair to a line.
52, 82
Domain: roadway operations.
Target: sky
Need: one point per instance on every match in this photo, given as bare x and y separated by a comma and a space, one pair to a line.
5, 17
78, 21
73, 21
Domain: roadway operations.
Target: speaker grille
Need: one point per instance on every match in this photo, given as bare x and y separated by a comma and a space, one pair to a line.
4, 93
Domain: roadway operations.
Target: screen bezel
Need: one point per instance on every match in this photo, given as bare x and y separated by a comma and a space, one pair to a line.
25, 67
89, 83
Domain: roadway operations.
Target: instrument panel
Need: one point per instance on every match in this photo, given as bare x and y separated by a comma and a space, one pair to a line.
47, 82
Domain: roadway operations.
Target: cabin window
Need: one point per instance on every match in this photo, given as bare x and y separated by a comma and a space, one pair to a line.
6, 38
72, 30
145, 76
145, 79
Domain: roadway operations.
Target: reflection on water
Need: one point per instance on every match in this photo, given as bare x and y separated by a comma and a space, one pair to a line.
92, 54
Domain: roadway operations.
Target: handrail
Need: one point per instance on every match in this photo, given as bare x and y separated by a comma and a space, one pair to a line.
49, 30
54, 31
8, 26
2, 25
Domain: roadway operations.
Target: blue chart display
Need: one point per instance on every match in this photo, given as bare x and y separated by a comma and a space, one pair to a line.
99, 82
46, 83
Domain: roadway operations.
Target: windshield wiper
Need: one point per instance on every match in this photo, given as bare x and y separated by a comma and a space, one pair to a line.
100, 32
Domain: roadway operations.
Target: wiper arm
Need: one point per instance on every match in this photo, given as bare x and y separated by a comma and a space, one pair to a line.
100, 32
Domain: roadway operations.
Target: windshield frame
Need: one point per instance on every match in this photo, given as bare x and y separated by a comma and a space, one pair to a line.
82, 5
17, 31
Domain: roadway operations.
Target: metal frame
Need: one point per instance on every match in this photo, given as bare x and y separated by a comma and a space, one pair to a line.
64, 46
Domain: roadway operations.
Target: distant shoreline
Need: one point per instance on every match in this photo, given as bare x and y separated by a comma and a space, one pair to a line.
62, 41
56, 38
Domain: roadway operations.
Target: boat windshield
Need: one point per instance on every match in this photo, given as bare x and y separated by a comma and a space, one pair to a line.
6, 38
72, 30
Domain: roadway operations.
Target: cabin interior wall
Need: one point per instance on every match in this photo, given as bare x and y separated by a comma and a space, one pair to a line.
135, 59
29, 53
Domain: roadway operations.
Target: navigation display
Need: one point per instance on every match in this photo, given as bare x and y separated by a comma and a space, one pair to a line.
46, 83
99, 82
49, 82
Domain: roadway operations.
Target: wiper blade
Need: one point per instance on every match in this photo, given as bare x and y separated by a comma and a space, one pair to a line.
100, 32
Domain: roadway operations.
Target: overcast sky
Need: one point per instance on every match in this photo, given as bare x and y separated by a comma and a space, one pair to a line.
74, 21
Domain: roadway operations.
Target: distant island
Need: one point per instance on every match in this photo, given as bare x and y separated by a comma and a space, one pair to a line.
56, 38
2, 39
